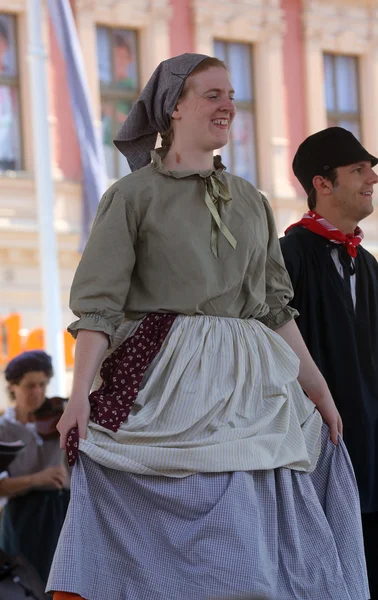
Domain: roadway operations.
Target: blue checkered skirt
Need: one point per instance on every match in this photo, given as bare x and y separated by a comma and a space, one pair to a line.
279, 533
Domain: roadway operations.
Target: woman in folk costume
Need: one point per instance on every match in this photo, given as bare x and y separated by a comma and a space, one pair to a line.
204, 470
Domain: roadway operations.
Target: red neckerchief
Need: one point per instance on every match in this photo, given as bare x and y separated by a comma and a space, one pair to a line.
314, 222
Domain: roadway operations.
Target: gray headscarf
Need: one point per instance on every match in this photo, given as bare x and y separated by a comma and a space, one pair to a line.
152, 112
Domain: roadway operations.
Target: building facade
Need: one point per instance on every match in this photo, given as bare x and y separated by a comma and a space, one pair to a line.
296, 65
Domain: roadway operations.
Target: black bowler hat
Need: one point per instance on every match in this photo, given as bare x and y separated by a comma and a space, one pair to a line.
328, 149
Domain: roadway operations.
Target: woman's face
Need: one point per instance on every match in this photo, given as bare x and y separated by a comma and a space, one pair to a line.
203, 116
30, 393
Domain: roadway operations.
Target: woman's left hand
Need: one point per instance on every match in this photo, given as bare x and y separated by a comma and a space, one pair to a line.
331, 416
312, 381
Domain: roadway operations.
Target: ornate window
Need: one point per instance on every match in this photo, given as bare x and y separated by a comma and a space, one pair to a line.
10, 130
240, 153
342, 92
118, 68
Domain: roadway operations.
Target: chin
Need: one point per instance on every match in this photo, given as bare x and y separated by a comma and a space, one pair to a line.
35, 405
218, 144
220, 140
366, 213
370, 208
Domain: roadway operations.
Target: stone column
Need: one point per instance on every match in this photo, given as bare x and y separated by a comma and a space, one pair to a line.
271, 113
315, 92
155, 38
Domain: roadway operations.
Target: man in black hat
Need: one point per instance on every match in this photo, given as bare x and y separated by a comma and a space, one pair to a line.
335, 284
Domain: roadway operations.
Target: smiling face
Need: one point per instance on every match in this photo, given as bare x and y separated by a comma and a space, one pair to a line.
204, 114
353, 190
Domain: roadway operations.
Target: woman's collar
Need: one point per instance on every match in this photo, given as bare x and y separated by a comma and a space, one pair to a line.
10, 415
158, 154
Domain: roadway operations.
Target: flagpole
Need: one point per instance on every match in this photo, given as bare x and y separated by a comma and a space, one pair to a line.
45, 197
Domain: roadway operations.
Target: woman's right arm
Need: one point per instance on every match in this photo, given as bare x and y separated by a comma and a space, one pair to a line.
52, 477
89, 350
98, 296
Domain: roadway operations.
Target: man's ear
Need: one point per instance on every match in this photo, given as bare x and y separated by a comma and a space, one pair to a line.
322, 186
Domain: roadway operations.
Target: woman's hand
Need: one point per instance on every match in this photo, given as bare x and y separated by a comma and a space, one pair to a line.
50, 477
312, 381
76, 414
331, 416
89, 350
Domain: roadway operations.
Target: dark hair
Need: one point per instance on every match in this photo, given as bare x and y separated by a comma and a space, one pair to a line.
311, 198
207, 63
33, 360
27, 362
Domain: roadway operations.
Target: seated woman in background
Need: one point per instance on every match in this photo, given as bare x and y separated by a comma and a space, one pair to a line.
37, 482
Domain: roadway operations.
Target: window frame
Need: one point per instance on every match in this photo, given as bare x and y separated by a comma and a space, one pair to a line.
336, 116
15, 82
112, 94
244, 105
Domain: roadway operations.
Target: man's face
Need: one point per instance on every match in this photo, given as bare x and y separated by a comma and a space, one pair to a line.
353, 190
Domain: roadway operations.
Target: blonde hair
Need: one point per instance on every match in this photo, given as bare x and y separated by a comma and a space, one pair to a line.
207, 63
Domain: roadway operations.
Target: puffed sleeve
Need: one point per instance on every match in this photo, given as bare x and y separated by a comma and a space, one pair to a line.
279, 290
102, 279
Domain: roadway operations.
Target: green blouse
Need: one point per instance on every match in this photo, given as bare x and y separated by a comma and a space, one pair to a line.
156, 246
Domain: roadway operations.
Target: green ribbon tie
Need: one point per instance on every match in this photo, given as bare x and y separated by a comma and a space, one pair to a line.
217, 191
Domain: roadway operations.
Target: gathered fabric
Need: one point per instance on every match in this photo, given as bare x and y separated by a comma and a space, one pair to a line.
121, 376
317, 224
281, 534
221, 395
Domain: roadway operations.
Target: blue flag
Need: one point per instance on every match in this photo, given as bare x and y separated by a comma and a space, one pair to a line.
91, 150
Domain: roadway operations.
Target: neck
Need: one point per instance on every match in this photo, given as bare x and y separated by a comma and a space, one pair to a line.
187, 159
342, 223
23, 415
